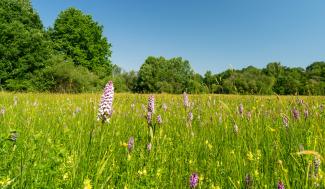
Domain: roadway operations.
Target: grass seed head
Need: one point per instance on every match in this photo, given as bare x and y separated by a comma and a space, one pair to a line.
285, 121
164, 106
159, 119
249, 115
316, 162
241, 109
248, 181
15, 100
2, 111
236, 130
131, 144
306, 113
149, 146
185, 100
190, 117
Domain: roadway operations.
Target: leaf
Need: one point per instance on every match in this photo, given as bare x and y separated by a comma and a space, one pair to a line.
151, 133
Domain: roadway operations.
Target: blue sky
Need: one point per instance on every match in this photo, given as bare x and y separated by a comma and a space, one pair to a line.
212, 34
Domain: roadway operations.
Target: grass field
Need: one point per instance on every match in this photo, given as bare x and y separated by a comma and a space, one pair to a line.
55, 141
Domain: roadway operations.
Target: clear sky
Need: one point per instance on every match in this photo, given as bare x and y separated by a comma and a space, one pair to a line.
212, 34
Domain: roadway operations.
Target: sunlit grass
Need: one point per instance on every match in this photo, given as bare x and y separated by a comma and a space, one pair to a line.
60, 144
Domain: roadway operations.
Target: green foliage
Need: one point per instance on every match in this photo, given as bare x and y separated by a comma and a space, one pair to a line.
274, 69
162, 75
20, 11
316, 71
71, 57
24, 46
275, 78
196, 85
68, 78
175, 76
315, 74
81, 39
249, 80
123, 81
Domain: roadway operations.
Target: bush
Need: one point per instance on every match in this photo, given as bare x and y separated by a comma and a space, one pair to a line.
64, 76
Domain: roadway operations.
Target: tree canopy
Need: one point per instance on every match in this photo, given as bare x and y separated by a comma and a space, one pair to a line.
73, 56
162, 75
24, 45
81, 39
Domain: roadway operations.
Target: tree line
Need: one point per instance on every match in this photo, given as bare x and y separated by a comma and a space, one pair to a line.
159, 75
74, 56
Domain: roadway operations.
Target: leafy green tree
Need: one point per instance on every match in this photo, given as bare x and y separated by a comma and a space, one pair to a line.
178, 73
161, 75
292, 81
123, 81
274, 69
209, 80
24, 45
196, 85
64, 76
148, 74
316, 71
131, 78
81, 38
315, 74
249, 80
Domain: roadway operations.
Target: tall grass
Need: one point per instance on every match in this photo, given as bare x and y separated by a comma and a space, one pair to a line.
55, 141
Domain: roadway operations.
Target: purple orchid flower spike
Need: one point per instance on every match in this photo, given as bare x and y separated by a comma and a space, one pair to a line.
105, 108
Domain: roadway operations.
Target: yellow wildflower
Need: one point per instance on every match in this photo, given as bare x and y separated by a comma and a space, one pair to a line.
256, 173
159, 173
142, 172
208, 144
70, 160
87, 184
6, 181
65, 176
250, 156
215, 187
271, 129
258, 154
201, 178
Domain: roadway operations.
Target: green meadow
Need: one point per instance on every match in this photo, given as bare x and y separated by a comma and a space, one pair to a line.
55, 141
